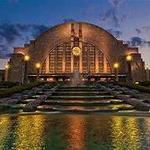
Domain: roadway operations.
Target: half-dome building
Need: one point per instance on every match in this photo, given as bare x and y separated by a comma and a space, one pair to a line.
75, 47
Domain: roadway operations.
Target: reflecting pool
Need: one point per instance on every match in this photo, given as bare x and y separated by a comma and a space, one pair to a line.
74, 132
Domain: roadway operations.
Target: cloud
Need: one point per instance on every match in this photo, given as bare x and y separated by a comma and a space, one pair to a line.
23, 27
138, 31
115, 3
146, 28
115, 33
38, 29
10, 34
112, 15
3, 49
138, 41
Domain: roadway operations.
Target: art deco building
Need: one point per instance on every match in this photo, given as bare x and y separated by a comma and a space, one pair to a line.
75, 47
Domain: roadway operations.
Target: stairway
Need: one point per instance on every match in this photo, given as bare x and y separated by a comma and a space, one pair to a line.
66, 99
82, 99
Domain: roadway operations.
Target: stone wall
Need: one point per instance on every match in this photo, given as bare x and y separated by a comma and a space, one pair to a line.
16, 70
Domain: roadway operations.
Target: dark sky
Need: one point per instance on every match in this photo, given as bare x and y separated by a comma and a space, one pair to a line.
22, 20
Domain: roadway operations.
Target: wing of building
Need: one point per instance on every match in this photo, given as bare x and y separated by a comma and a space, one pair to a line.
75, 46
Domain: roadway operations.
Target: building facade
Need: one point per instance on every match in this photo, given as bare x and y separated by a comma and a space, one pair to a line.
75, 47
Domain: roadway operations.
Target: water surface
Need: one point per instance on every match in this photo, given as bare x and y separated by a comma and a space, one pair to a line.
74, 132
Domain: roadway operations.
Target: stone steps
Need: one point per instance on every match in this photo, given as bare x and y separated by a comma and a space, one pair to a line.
80, 109
80, 93
80, 103
74, 100
75, 97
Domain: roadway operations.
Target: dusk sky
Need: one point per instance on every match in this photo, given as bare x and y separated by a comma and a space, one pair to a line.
23, 20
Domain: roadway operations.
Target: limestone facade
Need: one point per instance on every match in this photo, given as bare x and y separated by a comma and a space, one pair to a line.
53, 50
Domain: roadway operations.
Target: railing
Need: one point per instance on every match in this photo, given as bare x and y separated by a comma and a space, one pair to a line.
82, 74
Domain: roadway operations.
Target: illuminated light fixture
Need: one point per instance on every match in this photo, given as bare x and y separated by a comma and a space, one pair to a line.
137, 83
37, 65
26, 58
76, 51
7, 66
128, 57
147, 67
116, 65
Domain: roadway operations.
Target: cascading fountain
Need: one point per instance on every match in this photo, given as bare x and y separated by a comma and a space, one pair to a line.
76, 79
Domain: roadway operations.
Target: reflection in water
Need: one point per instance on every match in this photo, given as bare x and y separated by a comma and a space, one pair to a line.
117, 133
125, 133
76, 132
4, 130
29, 132
55, 132
132, 130
98, 132
145, 125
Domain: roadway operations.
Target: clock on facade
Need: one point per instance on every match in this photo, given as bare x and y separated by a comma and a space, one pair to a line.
76, 51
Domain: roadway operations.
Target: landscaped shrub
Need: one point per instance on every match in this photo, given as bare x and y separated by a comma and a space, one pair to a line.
136, 87
8, 84
145, 83
19, 88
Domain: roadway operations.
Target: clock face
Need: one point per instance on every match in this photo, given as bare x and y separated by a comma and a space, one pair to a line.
76, 51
